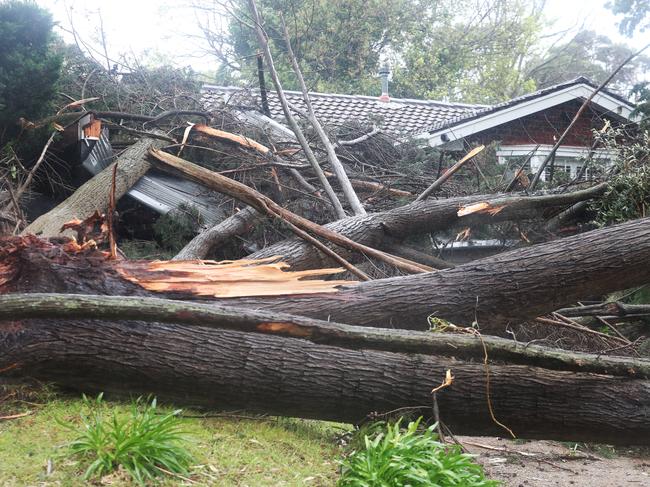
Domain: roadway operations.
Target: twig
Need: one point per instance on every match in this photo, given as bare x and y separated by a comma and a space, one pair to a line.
580, 328
28, 180
16, 416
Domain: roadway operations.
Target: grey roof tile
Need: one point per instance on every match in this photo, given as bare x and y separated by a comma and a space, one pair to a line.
399, 116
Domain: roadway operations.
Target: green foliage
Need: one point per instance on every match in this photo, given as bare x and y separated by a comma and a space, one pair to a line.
628, 194
29, 70
461, 54
592, 55
338, 43
443, 49
393, 456
636, 14
142, 443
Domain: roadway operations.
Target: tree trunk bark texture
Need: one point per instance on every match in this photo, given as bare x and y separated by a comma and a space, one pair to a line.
509, 287
284, 376
419, 218
230, 369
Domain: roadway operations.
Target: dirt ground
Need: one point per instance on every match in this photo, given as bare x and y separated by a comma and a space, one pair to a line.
548, 463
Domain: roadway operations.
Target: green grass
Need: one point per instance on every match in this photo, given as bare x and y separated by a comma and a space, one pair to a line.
228, 451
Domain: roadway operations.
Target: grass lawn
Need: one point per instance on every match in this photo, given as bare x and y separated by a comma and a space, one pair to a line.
229, 451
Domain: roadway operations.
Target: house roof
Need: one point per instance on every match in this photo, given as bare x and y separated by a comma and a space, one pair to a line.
399, 116
438, 122
576, 89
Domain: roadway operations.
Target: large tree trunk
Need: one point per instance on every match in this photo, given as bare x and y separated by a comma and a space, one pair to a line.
416, 218
509, 287
199, 365
291, 377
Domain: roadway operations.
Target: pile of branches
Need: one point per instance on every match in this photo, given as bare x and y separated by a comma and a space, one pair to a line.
273, 332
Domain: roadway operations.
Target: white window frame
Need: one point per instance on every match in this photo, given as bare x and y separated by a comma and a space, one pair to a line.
575, 154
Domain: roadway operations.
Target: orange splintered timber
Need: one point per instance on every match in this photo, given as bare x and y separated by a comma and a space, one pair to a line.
483, 207
239, 139
227, 279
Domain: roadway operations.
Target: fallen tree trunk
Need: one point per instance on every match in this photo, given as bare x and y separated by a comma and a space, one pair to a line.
201, 245
459, 345
94, 194
200, 365
419, 218
509, 287
291, 377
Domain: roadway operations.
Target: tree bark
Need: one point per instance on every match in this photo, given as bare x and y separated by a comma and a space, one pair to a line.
509, 287
421, 217
459, 345
200, 365
290, 377
94, 194
201, 245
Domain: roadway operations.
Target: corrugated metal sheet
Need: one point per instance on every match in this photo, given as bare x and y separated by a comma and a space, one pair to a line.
157, 190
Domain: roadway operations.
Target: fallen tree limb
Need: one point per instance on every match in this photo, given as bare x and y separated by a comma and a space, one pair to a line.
201, 245
335, 163
293, 125
509, 287
613, 309
267, 206
449, 173
423, 217
94, 194
460, 346
290, 377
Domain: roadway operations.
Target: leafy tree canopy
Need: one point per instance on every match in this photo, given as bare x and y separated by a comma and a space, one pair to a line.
29, 70
636, 14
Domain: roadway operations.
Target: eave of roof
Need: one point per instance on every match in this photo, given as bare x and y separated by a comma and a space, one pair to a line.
578, 88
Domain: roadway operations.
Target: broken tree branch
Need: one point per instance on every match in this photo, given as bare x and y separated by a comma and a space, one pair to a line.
450, 172
202, 244
611, 309
334, 161
262, 39
583, 107
267, 206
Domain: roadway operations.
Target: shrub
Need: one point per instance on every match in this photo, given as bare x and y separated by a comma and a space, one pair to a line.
142, 443
393, 456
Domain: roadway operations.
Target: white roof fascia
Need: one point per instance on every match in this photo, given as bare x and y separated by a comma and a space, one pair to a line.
606, 101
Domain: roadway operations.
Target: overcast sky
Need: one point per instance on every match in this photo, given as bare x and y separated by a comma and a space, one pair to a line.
161, 26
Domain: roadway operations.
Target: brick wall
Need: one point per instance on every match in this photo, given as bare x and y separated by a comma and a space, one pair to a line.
542, 127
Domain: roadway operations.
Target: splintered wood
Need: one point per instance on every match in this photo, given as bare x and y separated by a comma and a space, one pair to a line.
227, 279
483, 207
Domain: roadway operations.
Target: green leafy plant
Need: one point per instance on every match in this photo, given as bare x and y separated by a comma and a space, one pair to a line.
145, 443
392, 456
